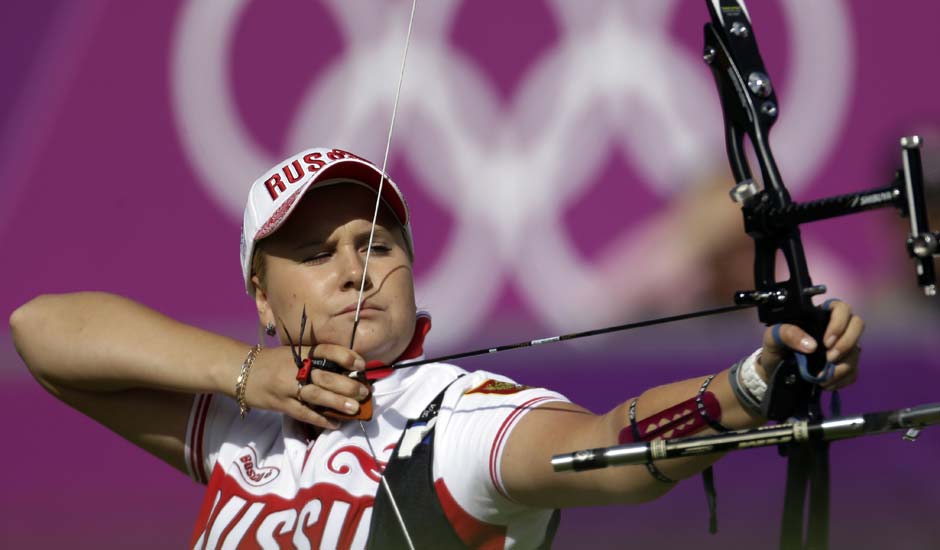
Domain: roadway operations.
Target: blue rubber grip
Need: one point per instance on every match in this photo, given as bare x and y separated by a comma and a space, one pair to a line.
824, 376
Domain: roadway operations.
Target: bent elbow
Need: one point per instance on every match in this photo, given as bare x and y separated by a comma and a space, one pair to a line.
20, 320
26, 329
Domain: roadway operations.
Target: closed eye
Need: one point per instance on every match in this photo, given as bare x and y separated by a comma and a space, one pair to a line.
380, 249
318, 258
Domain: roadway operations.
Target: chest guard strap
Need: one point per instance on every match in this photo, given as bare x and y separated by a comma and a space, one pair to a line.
410, 476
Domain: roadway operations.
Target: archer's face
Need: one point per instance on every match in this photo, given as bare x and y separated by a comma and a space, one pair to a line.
316, 260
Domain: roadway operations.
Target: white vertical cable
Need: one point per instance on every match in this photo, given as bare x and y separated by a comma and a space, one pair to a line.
365, 268
388, 146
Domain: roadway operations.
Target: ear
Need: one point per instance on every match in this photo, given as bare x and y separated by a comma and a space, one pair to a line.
265, 315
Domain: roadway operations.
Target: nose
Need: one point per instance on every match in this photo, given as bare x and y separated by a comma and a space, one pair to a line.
353, 268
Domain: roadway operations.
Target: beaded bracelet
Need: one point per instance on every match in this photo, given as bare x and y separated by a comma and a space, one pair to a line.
242, 380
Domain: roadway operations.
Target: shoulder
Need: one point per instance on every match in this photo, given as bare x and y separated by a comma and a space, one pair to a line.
482, 388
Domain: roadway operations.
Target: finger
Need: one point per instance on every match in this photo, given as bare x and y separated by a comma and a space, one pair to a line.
341, 384
839, 314
344, 357
845, 374
848, 341
302, 413
790, 336
316, 396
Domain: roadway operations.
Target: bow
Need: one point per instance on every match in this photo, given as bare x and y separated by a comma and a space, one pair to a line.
772, 220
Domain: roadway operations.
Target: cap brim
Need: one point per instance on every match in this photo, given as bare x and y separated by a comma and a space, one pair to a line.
341, 170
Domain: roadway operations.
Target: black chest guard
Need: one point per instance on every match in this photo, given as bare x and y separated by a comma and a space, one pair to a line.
410, 476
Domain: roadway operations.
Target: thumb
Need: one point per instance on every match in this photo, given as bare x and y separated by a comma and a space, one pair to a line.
781, 340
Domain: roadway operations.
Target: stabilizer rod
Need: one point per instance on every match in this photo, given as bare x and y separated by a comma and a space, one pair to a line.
802, 431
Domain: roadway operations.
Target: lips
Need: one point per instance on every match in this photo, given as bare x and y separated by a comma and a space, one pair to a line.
366, 306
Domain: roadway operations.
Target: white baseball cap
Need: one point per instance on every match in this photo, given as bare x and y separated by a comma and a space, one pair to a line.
275, 194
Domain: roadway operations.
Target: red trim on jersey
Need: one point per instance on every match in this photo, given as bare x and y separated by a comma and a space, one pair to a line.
501, 435
197, 403
200, 460
201, 447
193, 447
473, 532
198, 421
208, 507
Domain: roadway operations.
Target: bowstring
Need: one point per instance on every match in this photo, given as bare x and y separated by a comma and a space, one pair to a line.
378, 196
365, 266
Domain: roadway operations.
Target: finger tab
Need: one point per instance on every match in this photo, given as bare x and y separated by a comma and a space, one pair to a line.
303, 373
329, 366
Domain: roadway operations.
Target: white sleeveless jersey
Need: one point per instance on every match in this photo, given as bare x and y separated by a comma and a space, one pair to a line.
269, 486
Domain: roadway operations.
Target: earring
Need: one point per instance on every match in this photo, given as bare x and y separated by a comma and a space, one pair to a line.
269, 329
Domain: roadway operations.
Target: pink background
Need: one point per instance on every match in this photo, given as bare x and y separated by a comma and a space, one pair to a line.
98, 192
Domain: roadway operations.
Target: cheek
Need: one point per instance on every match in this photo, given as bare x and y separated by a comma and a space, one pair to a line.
403, 287
290, 291
404, 312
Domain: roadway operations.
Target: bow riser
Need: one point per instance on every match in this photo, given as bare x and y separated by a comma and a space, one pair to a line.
749, 104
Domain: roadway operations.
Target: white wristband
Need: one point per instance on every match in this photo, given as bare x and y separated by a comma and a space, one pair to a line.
749, 378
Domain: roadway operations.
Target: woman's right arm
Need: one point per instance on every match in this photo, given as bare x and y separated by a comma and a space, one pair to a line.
125, 365
136, 371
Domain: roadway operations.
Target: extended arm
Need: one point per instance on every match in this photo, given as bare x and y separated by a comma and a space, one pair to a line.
560, 428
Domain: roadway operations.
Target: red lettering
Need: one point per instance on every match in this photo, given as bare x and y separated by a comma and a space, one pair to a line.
291, 176
248, 468
337, 154
313, 162
272, 183
324, 516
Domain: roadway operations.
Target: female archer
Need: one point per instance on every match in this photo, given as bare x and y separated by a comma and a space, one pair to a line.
313, 444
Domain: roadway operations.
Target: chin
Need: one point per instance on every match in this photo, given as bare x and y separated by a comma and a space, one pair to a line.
385, 350
376, 353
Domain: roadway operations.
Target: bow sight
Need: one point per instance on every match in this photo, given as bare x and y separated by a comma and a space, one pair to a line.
772, 219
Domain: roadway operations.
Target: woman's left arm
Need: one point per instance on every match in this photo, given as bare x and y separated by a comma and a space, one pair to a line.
560, 428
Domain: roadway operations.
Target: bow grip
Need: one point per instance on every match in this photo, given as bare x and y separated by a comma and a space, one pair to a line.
788, 394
